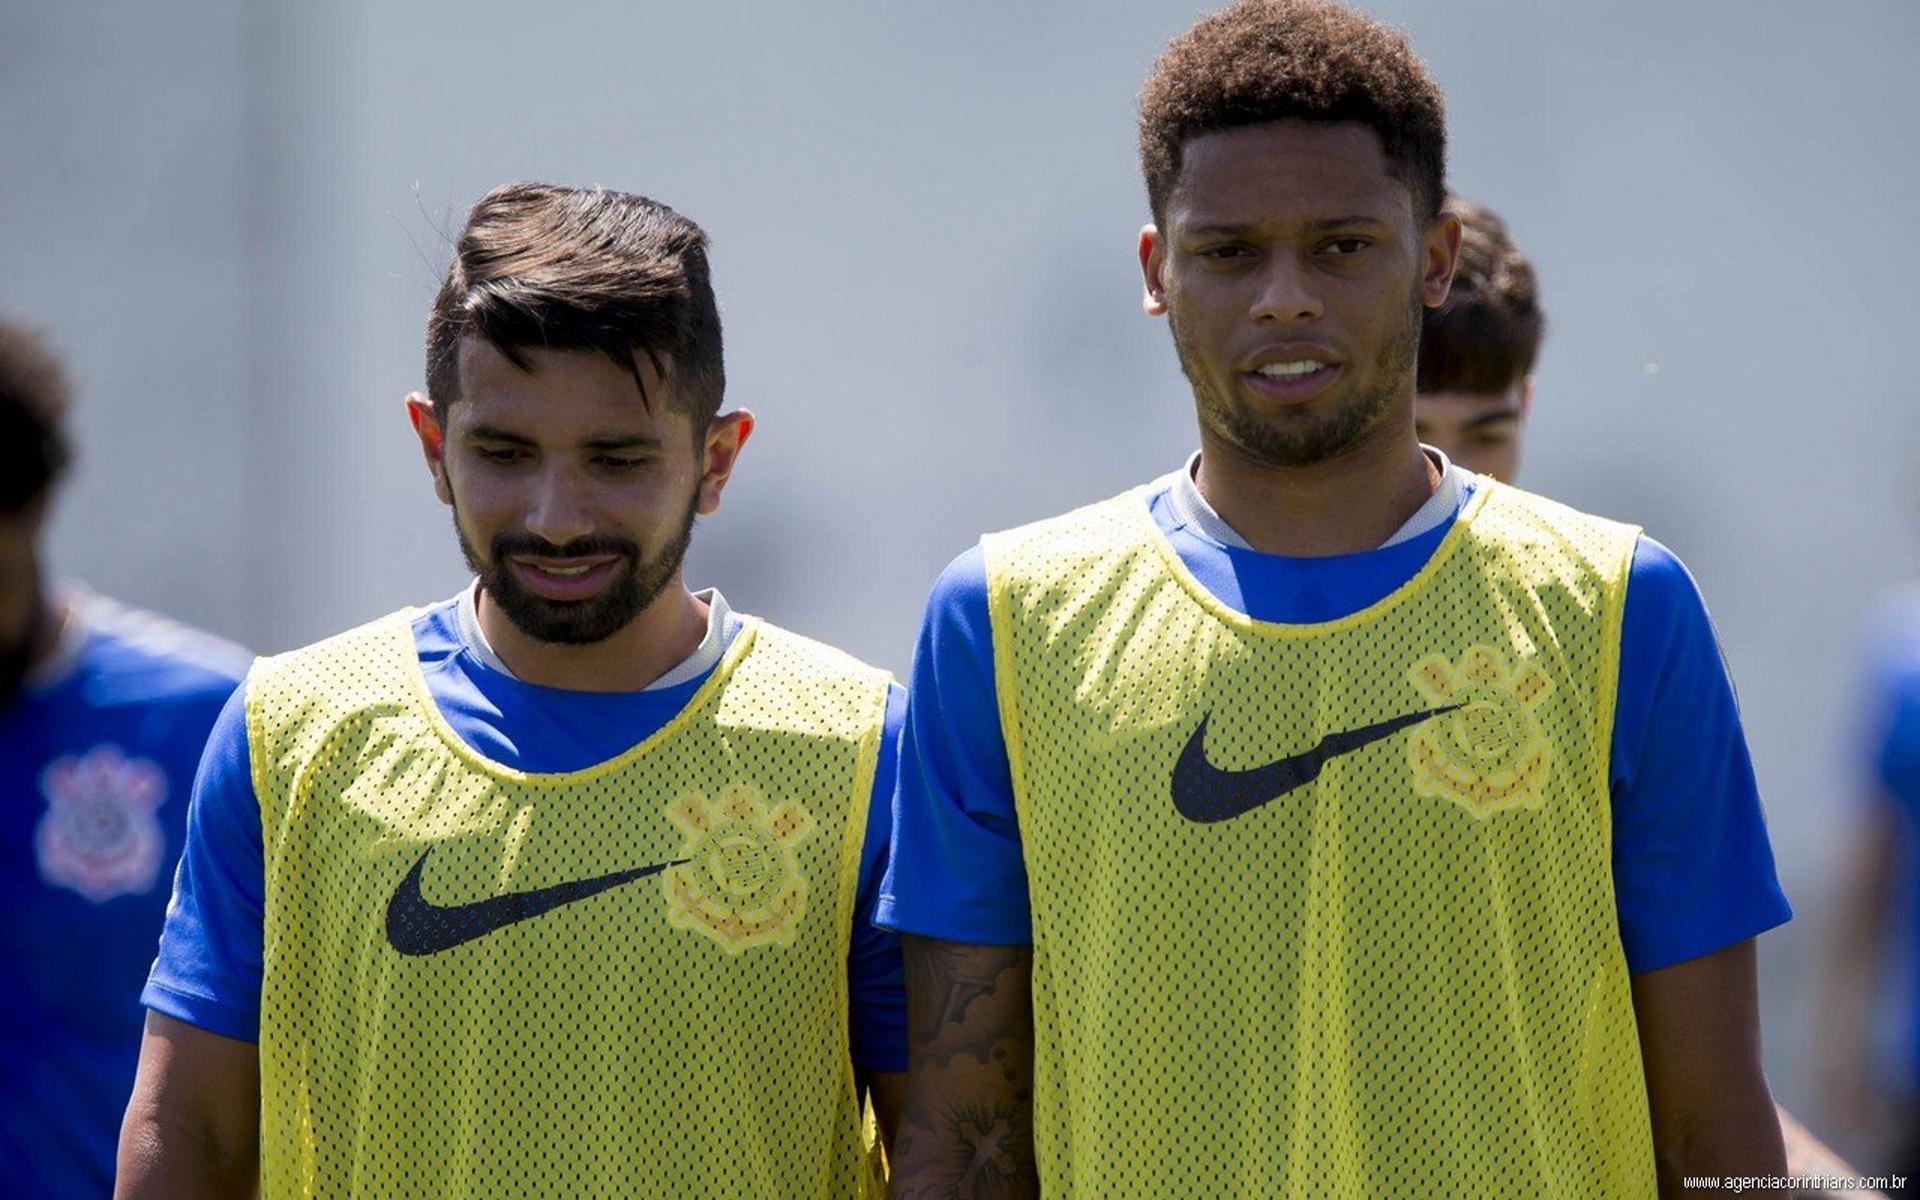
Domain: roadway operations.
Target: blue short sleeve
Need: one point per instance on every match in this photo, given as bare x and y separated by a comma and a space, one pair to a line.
876, 975
208, 970
957, 870
1693, 870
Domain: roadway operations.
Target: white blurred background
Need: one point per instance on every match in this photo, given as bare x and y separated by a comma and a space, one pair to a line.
231, 217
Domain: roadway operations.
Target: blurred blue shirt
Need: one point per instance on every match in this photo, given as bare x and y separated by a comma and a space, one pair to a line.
1890, 751
96, 762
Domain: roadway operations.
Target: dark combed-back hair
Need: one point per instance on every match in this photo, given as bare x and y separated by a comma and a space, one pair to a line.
540, 266
33, 402
1265, 60
1487, 334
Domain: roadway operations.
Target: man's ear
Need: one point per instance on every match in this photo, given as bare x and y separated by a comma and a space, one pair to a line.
1526, 395
726, 434
426, 426
1439, 247
1153, 265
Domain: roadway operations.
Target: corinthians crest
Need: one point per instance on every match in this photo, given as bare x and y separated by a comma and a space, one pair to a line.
741, 884
1489, 755
100, 835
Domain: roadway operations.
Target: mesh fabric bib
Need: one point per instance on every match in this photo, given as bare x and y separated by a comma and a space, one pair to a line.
623, 981
1323, 910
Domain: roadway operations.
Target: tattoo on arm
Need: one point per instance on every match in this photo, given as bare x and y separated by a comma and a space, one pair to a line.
967, 1132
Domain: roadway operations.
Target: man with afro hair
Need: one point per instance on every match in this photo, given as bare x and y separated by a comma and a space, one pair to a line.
1321, 818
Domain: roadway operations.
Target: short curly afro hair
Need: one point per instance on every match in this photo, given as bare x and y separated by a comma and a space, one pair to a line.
1266, 60
1486, 336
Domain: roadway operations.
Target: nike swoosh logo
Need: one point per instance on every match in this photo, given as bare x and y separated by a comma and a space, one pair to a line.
1204, 793
416, 925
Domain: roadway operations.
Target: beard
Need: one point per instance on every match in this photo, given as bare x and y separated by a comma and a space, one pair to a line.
17, 658
637, 583
1295, 443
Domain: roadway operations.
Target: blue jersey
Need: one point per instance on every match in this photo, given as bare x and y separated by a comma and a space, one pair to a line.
209, 970
96, 763
1692, 867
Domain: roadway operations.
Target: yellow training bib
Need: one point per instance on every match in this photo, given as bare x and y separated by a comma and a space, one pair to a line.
629, 980
1323, 910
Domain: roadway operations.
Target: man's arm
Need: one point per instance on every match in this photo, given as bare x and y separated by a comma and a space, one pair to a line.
888, 1092
193, 1125
967, 1132
1700, 1046
876, 972
1845, 1069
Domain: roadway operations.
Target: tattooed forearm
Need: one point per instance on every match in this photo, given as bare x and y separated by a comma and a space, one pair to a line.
982, 1151
967, 1132
946, 977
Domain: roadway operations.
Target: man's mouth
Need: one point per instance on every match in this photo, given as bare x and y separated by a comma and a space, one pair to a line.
564, 579
1291, 370
1291, 380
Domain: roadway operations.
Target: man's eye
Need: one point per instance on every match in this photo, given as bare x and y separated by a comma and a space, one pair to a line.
1346, 247
613, 462
501, 454
1225, 253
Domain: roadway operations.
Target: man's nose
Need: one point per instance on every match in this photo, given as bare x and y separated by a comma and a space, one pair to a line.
1287, 293
559, 513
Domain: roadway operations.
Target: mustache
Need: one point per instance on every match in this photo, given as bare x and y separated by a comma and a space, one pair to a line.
592, 546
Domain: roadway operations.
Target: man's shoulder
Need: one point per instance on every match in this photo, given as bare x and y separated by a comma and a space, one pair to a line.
1536, 509
1082, 550
1890, 632
797, 651
782, 680
1548, 535
346, 642
1099, 516
347, 672
135, 656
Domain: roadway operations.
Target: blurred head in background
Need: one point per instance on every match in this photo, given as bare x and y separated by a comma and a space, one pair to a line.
574, 377
1477, 349
1295, 157
34, 454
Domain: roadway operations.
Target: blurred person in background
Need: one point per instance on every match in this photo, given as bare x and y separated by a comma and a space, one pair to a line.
1477, 349
1474, 392
1322, 818
558, 887
103, 713
1875, 1095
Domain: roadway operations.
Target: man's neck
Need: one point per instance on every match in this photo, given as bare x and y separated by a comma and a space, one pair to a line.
653, 643
1343, 505
55, 610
